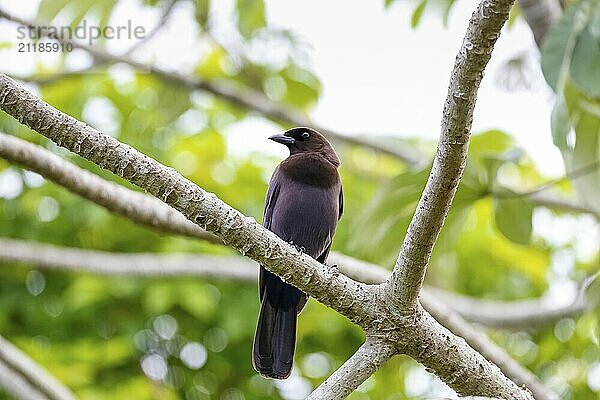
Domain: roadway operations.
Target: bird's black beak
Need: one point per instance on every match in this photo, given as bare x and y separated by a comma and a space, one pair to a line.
286, 140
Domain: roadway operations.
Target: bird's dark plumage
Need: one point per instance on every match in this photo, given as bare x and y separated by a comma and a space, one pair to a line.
303, 205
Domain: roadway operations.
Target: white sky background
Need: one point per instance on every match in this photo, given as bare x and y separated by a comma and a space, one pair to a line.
379, 76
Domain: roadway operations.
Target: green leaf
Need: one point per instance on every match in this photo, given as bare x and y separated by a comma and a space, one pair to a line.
513, 215
417, 13
559, 122
558, 46
585, 66
202, 9
585, 114
389, 213
251, 16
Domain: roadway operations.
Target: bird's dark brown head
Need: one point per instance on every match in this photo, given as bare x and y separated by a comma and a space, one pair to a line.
306, 140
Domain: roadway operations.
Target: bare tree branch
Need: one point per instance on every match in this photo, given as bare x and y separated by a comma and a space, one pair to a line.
241, 96
518, 314
70, 259
17, 386
205, 209
478, 340
367, 359
27, 380
556, 202
418, 335
136, 206
484, 29
128, 264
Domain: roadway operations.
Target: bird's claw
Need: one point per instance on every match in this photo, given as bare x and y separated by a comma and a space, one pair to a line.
333, 268
300, 249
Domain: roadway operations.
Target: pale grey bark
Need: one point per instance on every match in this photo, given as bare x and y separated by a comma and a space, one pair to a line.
517, 314
137, 206
418, 335
478, 340
360, 366
27, 380
403, 287
17, 386
241, 96
129, 264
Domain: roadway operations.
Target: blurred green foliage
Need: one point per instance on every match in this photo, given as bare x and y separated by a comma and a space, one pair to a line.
131, 338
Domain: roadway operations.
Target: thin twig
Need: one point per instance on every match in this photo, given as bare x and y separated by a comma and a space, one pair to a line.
31, 376
137, 206
360, 366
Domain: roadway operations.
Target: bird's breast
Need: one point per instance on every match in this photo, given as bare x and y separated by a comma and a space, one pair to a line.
306, 215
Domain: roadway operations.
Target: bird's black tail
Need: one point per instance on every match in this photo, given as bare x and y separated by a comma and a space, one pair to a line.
275, 338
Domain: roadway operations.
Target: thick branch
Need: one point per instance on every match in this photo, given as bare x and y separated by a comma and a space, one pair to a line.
27, 380
483, 31
137, 206
367, 359
478, 340
452, 359
241, 96
351, 298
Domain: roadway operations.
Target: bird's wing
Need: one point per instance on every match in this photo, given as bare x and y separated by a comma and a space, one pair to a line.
272, 194
341, 203
271, 199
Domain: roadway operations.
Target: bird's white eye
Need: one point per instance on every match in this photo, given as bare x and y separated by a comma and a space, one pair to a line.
305, 135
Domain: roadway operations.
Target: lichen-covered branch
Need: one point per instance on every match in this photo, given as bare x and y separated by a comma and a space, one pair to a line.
25, 379
241, 96
484, 29
418, 335
367, 359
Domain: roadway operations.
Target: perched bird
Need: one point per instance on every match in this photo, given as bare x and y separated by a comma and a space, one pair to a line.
303, 205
